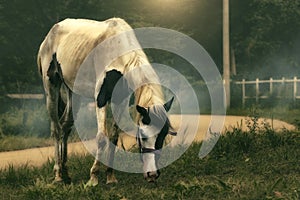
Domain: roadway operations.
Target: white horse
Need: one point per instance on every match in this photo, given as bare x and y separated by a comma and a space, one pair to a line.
60, 57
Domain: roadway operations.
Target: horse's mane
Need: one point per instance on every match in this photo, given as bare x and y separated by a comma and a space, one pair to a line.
141, 76
145, 79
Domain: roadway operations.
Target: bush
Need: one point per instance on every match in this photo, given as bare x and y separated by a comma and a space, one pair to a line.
25, 121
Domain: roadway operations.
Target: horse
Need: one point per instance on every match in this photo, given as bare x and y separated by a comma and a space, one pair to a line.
60, 57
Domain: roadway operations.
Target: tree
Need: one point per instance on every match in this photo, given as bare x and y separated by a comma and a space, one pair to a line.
266, 36
264, 33
24, 24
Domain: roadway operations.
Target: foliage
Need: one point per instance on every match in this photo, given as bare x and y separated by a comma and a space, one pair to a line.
264, 33
27, 126
265, 37
26, 121
228, 172
23, 26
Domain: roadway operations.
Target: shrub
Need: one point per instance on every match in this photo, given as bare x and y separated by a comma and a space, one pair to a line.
25, 121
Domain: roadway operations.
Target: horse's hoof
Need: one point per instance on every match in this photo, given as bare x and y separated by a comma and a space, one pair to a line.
92, 182
60, 180
57, 180
111, 180
67, 180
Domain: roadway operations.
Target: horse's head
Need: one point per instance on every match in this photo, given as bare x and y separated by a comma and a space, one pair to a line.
153, 128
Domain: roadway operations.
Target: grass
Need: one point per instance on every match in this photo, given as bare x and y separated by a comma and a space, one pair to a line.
26, 127
283, 113
27, 121
252, 165
258, 164
12, 143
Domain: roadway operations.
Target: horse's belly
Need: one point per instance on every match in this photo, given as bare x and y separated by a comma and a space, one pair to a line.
80, 81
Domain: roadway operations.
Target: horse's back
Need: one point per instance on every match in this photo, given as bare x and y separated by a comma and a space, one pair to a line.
72, 40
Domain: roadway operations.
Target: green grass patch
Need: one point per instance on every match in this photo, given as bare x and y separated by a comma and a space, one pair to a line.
262, 165
12, 143
283, 113
26, 121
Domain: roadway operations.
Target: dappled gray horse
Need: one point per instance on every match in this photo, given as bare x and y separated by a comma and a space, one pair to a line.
61, 55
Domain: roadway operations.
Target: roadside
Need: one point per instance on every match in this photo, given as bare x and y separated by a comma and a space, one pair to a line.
38, 156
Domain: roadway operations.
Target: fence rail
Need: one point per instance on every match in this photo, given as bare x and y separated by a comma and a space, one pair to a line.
271, 82
25, 96
256, 90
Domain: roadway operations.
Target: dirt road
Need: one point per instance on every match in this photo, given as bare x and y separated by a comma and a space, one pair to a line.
38, 156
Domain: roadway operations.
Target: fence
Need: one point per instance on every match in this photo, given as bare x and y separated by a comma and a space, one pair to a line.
261, 89
275, 88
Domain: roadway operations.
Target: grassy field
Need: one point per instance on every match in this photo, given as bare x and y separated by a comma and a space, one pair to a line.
12, 143
283, 113
250, 165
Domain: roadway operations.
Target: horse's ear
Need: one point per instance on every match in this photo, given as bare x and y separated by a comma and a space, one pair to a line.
144, 112
141, 110
168, 105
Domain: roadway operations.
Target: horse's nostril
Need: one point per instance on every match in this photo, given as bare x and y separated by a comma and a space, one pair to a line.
158, 174
151, 176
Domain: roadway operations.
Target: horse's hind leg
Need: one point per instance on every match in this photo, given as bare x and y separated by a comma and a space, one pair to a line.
59, 104
66, 121
52, 84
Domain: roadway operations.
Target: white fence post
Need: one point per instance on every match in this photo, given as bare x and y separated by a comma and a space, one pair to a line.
244, 92
283, 87
271, 86
257, 90
295, 90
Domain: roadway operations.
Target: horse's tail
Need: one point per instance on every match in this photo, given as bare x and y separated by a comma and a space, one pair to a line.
46, 47
39, 63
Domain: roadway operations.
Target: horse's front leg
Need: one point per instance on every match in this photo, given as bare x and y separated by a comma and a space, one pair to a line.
102, 141
113, 137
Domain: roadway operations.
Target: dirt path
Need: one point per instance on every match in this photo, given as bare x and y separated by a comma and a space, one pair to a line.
35, 156
38, 156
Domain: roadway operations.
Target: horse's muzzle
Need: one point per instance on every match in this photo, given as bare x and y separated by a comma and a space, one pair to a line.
152, 176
